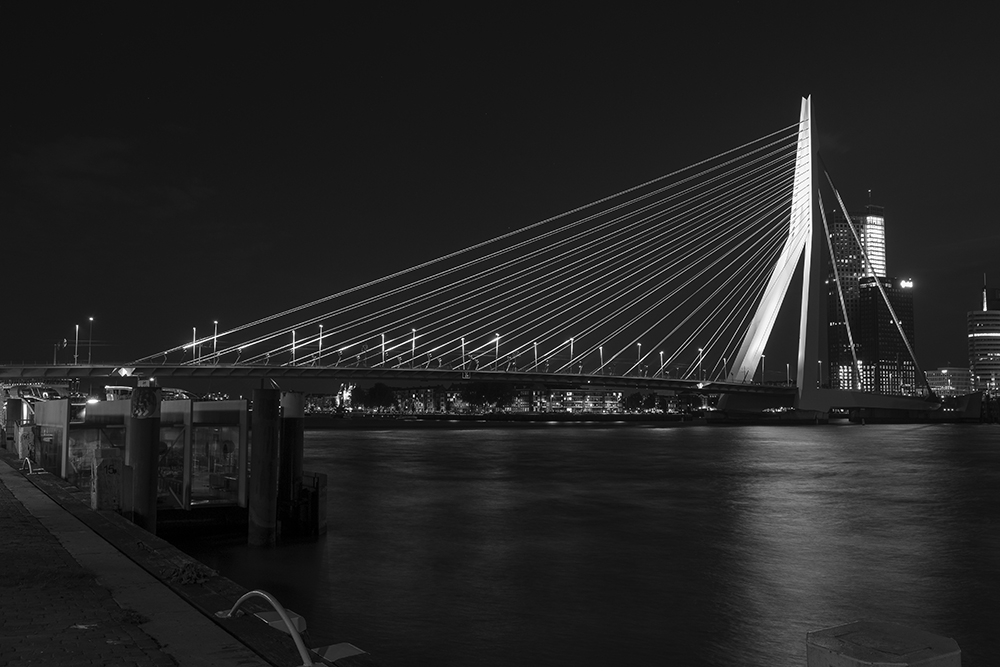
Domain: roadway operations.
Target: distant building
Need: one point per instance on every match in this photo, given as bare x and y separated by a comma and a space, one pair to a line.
885, 365
950, 381
984, 343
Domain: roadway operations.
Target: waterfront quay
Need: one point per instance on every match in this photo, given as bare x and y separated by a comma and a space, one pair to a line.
83, 587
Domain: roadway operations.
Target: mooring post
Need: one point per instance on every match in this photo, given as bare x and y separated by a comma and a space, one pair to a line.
290, 466
868, 643
142, 443
263, 501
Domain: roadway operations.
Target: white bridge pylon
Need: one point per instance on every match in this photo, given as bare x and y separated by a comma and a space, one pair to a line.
799, 244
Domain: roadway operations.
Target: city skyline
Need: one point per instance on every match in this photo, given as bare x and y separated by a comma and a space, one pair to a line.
161, 180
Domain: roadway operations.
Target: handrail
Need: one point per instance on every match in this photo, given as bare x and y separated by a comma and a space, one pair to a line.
31, 471
299, 644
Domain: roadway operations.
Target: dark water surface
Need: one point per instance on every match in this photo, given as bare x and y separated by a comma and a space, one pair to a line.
565, 545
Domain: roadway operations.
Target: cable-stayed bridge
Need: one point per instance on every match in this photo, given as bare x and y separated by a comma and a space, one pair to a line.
675, 283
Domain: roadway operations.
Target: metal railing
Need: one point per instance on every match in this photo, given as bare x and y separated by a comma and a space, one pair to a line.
292, 630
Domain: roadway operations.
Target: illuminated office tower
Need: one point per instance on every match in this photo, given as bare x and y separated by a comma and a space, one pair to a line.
984, 343
851, 267
885, 363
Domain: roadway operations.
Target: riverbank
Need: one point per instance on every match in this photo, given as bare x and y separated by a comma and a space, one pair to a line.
87, 587
439, 420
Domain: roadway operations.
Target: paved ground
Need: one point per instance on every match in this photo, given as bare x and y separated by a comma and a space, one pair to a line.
69, 598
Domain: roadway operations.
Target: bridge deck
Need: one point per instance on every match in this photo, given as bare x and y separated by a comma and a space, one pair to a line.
356, 373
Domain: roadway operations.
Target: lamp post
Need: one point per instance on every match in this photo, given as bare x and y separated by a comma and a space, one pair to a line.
661, 364
819, 373
763, 371
383, 349
319, 354
600, 351
570, 349
725, 372
700, 350
293, 346
76, 344
788, 373
90, 341
638, 356
463, 353
496, 362
215, 342
194, 344
413, 348
535, 344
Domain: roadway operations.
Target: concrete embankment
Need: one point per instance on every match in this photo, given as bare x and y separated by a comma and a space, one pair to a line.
86, 587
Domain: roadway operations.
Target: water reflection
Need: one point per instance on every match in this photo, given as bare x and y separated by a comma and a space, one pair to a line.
697, 546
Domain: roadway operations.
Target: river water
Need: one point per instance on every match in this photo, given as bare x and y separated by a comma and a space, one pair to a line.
684, 545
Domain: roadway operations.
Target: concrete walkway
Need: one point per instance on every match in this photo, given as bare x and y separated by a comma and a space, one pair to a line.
69, 598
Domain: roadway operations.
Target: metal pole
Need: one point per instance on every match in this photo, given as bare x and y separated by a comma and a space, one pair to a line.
90, 341
76, 345
496, 363
413, 349
215, 341
194, 343
700, 378
383, 349
319, 355
293, 346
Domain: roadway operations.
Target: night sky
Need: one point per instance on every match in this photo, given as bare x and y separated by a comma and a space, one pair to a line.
160, 172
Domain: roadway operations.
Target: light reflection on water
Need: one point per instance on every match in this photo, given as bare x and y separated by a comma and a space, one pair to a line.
563, 545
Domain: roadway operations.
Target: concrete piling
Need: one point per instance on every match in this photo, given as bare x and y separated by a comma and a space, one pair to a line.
263, 500
142, 443
290, 460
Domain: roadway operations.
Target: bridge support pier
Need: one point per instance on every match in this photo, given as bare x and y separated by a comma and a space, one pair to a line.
263, 501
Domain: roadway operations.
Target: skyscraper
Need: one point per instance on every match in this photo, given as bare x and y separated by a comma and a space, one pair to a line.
984, 342
885, 363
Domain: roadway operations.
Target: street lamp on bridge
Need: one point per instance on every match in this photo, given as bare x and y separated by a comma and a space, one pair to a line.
496, 362
194, 344
661, 364
413, 349
215, 341
319, 353
600, 351
90, 341
76, 344
700, 378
